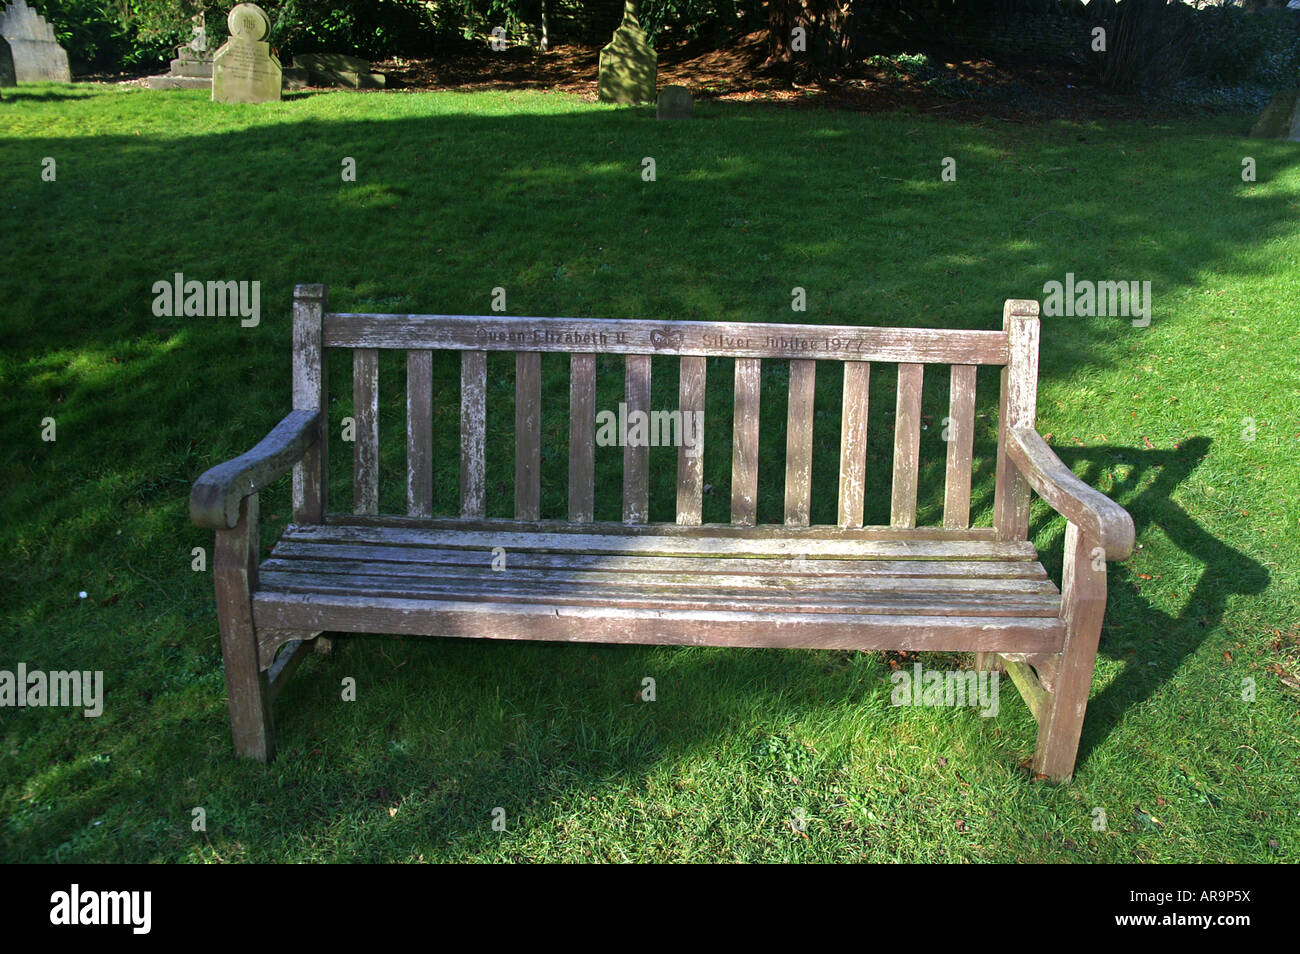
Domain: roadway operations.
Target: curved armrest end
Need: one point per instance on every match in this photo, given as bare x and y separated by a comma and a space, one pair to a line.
1095, 513
215, 498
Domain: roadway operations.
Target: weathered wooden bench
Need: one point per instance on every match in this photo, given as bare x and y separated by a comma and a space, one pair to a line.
954, 587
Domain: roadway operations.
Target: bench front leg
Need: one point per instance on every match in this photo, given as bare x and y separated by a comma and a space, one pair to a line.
247, 687
1083, 605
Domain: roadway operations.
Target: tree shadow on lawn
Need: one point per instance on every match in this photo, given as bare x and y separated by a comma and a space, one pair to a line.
554, 208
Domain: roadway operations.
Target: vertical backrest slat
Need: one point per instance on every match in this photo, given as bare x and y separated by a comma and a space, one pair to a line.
744, 443
365, 449
582, 438
309, 394
960, 435
1018, 407
636, 459
419, 433
907, 445
690, 459
528, 435
798, 442
853, 442
473, 423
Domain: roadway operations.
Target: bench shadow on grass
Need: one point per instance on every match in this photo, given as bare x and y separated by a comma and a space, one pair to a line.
1147, 493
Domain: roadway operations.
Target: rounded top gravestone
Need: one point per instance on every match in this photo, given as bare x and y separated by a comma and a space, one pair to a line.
248, 21
245, 70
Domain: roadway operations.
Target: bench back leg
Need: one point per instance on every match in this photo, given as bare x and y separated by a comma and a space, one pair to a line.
1083, 604
247, 689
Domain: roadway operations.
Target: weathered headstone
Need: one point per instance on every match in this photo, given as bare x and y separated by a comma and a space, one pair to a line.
192, 68
675, 103
291, 77
7, 77
1280, 119
37, 56
244, 69
193, 59
337, 69
628, 64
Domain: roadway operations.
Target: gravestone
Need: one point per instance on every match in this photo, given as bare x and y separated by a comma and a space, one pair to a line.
244, 70
6, 65
1280, 119
37, 56
337, 69
192, 68
675, 103
628, 63
193, 59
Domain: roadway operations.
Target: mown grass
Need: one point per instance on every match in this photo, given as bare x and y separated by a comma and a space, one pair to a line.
543, 195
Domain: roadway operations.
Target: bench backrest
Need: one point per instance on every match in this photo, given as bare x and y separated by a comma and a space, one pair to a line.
1014, 349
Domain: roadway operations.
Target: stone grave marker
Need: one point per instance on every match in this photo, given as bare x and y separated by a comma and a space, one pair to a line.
338, 69
1280, 119
193, 59
7, 77
628, 63
37, 56
244, 70
675, 103
192, 68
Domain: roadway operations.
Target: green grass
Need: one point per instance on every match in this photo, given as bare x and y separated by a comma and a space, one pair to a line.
542, 195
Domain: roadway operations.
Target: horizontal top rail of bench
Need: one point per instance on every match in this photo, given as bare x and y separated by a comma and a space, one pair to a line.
631, 336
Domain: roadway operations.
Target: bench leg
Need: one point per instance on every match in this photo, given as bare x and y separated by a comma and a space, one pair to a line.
247, 687
1083, 604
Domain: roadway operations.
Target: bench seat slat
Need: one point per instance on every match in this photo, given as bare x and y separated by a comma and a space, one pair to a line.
613, 624
700, 568
583, 593
653, 576
844, 545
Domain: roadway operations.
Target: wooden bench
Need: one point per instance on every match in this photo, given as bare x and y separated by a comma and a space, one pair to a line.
954, 587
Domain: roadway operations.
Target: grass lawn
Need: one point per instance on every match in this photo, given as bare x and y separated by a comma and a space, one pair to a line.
542, 195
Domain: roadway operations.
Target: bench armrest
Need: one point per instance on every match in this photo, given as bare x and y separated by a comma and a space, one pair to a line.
1096, 514
214, 501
